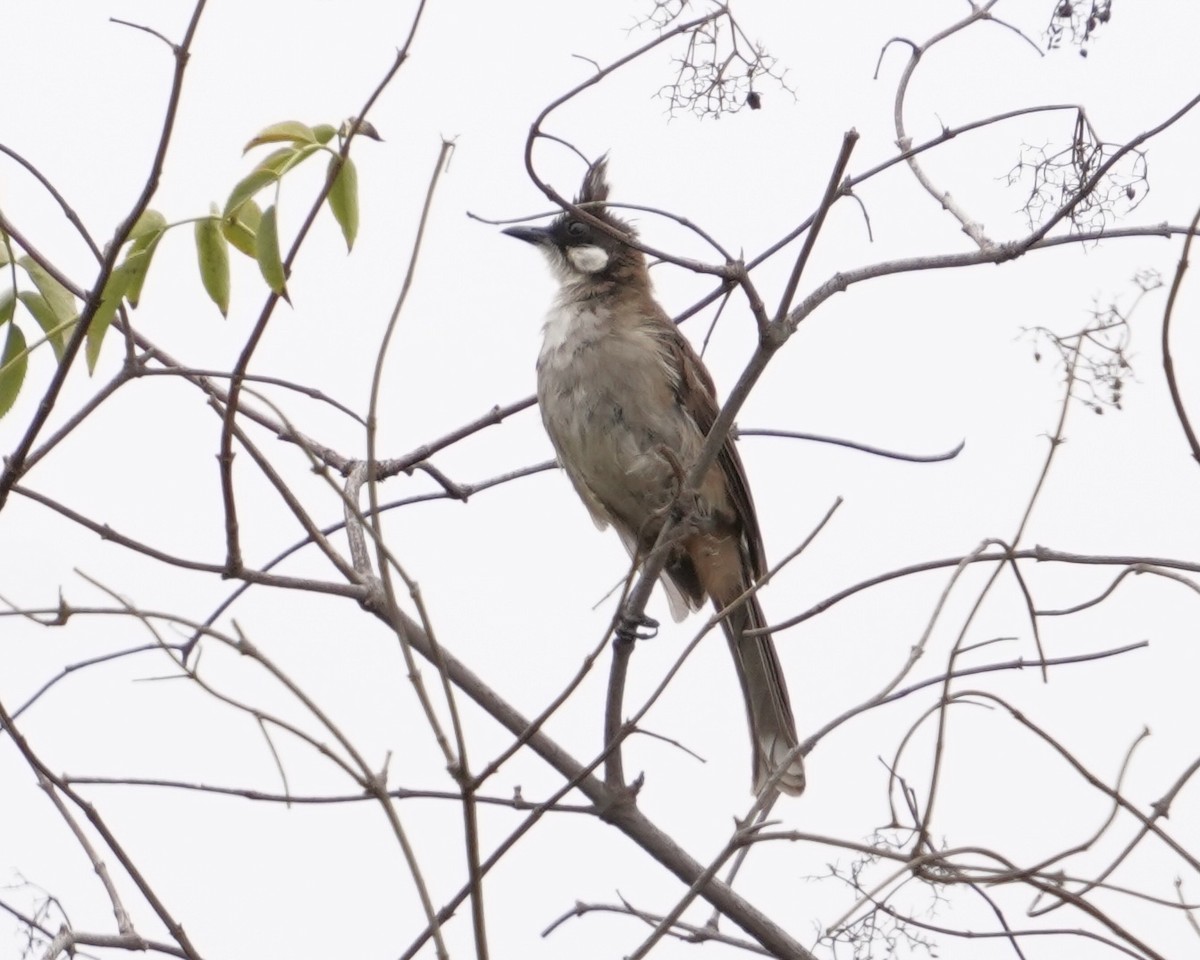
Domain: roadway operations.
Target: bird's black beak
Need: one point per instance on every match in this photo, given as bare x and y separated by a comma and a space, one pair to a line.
535, 235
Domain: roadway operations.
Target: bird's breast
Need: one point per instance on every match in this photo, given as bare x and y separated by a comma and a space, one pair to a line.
569, 328
609, 405
602, 373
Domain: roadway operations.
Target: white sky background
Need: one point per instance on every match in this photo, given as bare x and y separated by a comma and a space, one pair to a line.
914, 363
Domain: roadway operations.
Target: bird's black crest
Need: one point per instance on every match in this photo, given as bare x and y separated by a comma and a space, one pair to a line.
595, 190
595, 183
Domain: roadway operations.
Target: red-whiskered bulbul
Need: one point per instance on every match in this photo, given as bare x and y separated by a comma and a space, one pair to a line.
623, 394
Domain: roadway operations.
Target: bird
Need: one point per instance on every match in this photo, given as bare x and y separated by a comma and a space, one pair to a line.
628, 404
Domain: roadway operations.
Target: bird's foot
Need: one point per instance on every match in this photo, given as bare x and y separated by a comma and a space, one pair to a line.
640, 627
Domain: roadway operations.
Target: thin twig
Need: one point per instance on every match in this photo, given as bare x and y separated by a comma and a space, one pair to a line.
1168, 362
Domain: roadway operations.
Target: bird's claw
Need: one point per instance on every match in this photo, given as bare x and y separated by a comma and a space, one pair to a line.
639, 627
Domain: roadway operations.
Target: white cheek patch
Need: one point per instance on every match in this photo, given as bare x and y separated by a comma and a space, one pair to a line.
587, 259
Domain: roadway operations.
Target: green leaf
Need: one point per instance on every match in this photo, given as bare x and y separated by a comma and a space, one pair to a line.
137, 260
5, 259
295, 157
247, 187
110, 299
282, 160
266, 172
266, 250
14, 361
212, 254
56, 331
8, 306
323, 132
277, 161
343, 198
150, 223
288, 130
240, 227
58, 296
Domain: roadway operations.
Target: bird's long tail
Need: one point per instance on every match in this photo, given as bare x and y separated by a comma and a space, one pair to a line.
768, 710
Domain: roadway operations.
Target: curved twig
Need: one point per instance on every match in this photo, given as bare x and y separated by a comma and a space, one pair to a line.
1168, 362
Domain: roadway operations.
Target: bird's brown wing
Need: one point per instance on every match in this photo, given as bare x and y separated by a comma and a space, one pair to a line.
697, 395
726, 574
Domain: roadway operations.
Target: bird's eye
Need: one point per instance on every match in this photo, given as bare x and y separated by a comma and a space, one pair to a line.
577, 229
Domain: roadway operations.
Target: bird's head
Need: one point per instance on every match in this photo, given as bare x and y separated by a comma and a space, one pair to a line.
577, 250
